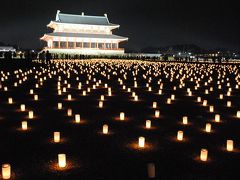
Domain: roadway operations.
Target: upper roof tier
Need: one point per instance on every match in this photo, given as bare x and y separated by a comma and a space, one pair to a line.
83, 19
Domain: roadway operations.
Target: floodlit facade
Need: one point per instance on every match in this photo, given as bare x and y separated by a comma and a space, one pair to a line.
83, 34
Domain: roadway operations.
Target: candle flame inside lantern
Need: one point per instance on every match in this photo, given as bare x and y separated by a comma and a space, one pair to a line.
30, 114
105, 129
185, 120
122, 116
230, 145
204, 155
217, 117
24, 125
148, 124
61, 160
208, 127
141, 142
180, 135
59, 105
6, 171
22, 107
56, 137
157, 113
77, 118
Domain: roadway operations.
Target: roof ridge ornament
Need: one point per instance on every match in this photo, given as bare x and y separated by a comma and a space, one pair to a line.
57, 15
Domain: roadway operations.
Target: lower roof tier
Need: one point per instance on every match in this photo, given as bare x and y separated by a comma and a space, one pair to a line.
83, 35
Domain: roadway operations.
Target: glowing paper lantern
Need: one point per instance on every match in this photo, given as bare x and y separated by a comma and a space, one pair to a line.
105, 129
69, 112
30, 114
136, 98
61, 160
180, 135
148, 124
22, 107
24, 125
238, 114
172, 97
185, 120
208, 127
31, 91
56, 137
230, 145
6, 171
141, 142
154, 105
221, 96
217, 117
84, 93
229, 103
59, 105
35, 97
199, 99
157, 113
102, 98
211, 108
100, 104
204, 155
204, 102
168, 100
10, 100
77, 118
122, 116
69, 97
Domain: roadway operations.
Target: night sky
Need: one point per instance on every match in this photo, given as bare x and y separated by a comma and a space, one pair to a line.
207, 23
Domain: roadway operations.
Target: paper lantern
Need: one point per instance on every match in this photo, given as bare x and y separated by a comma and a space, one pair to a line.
148, 124
77, 118
84, 93
230, 145
204, 102
136, 98
30, 114
109, 93
229, 103
10, 100
141, 142
35, 97
151, 170
204, 155
100, 104
168, 100
217, 117
211, 108
122, 116
59, 92
6, 171
61, 160
154, 105
221, 96
56, 137
69, 97
185, 120
199, 99
157, 113
102, 98
172, 97
159, 91
180, 135
59, 105
238, 114
69, 112
24, 125
31, 91
64, 89
105, 129
22, 107
208, 127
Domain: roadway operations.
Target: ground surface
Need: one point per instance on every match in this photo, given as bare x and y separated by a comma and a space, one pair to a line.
93, 155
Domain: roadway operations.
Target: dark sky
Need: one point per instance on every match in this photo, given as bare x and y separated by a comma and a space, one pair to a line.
207, 23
